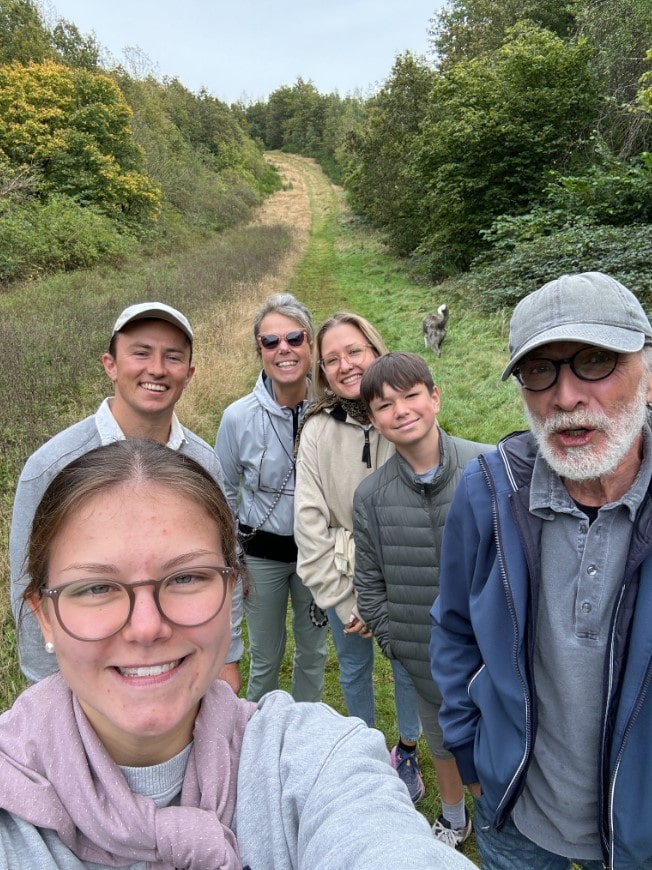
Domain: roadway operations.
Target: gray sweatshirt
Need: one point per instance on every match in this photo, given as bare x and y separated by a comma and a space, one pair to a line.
316, 790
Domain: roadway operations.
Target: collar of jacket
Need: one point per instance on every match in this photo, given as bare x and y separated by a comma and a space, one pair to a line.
443, 475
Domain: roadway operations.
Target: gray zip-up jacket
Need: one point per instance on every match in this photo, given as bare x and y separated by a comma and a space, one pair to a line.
40, 469
255, 446
398, 523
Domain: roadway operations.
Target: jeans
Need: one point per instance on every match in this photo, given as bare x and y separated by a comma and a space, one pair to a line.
355, 655
508, 849
265, 607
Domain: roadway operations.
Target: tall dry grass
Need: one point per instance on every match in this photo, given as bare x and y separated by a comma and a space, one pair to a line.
53, 333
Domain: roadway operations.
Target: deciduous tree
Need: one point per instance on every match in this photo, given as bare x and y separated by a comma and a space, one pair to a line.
73, 127
74, 48
621, 31
379, 155
465, 29
495, 126
23, 36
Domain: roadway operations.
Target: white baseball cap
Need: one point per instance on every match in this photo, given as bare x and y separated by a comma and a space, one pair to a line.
155, 311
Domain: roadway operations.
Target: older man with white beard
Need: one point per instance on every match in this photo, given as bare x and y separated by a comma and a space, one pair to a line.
542, 633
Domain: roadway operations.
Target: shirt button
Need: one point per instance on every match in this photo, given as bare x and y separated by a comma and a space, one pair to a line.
586, 607
591, 570
583, 529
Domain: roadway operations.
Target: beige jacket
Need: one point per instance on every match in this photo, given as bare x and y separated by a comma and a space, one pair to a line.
329, 468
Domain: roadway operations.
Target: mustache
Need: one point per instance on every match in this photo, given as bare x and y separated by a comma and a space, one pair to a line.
564, 420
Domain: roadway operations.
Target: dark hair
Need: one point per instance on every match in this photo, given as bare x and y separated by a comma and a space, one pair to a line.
99, 470
398, 370
113, 343
371, 334
287, 305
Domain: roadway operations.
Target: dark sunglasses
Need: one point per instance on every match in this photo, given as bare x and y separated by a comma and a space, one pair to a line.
271, 340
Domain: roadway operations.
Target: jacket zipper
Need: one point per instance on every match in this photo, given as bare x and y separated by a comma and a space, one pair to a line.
607, 841
366, 449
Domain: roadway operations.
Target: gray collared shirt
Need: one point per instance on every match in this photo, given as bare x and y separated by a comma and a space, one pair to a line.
581, 572
109, 431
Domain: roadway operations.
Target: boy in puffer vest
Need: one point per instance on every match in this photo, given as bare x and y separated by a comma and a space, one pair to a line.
398, 514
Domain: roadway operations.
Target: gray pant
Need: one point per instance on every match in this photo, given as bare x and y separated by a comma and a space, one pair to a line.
429, 715
265, 606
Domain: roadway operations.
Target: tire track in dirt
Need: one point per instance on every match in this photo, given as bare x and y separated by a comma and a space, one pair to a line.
226, 362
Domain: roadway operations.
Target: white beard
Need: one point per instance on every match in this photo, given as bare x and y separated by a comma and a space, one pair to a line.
583, 463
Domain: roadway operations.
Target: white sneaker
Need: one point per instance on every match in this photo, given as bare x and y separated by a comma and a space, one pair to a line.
452, 837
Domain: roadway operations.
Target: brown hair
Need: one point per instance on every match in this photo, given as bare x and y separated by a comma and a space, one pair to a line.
371, 334
99, 470
398, 370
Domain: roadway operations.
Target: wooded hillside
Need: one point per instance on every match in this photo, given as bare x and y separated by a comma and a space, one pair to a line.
96, 159
518, 151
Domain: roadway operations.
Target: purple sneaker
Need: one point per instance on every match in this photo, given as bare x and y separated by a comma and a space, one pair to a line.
406, 765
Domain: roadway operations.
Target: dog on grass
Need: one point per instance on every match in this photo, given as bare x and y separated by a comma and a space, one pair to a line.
435, 329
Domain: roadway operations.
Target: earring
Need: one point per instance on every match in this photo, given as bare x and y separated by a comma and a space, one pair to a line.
49, 647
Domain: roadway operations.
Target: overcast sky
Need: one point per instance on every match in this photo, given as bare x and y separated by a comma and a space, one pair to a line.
245, 49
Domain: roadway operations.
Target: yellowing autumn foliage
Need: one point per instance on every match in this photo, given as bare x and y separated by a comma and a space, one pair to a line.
71, 129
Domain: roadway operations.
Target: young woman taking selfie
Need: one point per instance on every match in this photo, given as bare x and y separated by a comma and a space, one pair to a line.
134, 754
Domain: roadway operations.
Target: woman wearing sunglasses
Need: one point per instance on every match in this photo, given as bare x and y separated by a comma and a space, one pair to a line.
255, 445
338, 448
135, 755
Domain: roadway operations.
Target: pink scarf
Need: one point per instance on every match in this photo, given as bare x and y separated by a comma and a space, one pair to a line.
55, 773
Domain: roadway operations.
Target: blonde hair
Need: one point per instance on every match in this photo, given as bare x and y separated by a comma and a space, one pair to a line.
287, 305
371, 334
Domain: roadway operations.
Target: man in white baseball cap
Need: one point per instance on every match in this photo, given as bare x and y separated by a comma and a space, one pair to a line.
149, 360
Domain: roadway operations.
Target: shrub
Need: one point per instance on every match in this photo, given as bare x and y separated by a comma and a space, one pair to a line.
610, 191
499, 280
59, 234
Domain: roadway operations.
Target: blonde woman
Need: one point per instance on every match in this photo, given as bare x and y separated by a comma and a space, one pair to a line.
135, 754
255, 446
338, 448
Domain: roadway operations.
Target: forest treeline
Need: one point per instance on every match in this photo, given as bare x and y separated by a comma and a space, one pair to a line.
519, 148
97, 158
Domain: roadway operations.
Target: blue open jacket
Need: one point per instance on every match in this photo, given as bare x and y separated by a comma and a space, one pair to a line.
482, 646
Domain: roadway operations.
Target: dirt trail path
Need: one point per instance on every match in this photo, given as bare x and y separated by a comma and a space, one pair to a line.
226, 362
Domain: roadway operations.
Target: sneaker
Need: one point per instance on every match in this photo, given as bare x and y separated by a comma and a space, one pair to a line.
406, 764
452, 837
